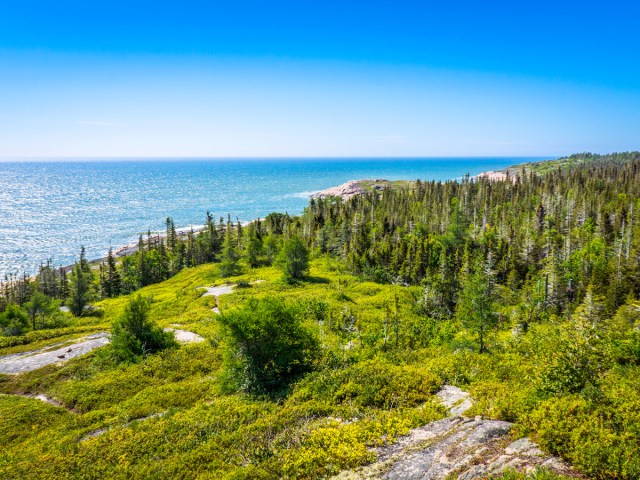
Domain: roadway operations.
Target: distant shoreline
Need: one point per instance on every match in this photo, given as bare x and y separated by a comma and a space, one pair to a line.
127, 245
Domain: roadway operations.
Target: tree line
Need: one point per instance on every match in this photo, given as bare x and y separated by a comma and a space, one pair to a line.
155, 259
539, 242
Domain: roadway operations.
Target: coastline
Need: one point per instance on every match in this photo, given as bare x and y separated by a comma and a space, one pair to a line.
105, 204
344, 191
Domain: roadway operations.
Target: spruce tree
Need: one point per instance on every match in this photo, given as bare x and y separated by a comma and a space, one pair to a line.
293, 259
229, 265
112, 283
80, 289
476, 304
254, 246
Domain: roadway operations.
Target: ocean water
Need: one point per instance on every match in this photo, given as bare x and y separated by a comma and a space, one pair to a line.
48, 209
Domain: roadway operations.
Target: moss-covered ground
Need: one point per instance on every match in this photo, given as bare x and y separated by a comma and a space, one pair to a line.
169, 417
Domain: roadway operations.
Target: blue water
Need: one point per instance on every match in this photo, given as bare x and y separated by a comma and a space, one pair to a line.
48, 209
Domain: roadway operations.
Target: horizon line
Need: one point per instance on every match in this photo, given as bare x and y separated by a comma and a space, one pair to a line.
267, 157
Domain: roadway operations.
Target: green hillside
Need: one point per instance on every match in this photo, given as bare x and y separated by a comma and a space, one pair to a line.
575, 160
525, 294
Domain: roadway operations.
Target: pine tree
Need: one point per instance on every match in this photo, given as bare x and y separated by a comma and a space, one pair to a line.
38, 307
111, 283
142, 267
172, 238
293, 259
254, 246
476, 304
80, 289
229, 265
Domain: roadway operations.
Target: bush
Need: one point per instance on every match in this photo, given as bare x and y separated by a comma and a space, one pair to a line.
14, 320
134, 335
293, 260
269, 348
600, 439
372, 383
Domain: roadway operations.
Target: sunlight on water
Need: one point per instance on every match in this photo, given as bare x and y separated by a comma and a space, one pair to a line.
49, 209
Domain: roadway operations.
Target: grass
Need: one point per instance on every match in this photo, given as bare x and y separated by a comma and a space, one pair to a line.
203, 432
169, 417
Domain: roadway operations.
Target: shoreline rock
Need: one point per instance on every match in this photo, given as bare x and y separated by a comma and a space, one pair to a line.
351, 188
492, 175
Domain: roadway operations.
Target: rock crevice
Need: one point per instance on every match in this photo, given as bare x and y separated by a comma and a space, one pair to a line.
457, 447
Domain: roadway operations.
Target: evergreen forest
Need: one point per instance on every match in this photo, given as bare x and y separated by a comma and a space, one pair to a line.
328, 333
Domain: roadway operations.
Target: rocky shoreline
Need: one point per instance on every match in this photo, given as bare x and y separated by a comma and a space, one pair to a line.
358, 187
352, 188
345, 191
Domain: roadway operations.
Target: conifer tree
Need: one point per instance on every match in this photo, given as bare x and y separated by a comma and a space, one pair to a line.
254, 246
293, 259
111, 283
476, 304
135, 335
80, 288
38, 307
229, 265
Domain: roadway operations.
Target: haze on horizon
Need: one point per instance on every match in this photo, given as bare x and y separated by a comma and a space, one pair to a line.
378, 78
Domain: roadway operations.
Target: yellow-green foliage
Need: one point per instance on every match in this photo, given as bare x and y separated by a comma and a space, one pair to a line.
168, 417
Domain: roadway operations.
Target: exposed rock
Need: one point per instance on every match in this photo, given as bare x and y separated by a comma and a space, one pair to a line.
184, 336
27, 361
222, 290
94, 434
493, 176
38, 396
347, 190
456, 400
101, 431
217, 291
45, 399
523, 446
452, 452
457, 447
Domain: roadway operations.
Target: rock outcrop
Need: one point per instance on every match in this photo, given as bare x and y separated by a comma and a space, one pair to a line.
27, 361
184, 336
351, 188
457, 447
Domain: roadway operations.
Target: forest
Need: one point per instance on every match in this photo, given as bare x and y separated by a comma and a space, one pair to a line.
526, 292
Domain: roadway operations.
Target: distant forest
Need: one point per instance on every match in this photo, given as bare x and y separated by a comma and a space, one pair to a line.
542, 240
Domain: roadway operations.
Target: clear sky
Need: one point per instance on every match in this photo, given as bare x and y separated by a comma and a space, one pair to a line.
318, 78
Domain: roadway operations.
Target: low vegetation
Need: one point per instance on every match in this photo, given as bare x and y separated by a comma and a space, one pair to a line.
350, 319
134, 335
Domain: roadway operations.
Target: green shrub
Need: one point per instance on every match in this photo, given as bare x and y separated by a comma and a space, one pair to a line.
600, 439
14, 320
372, 383
134, 335
538, 474
293, 259
269, 348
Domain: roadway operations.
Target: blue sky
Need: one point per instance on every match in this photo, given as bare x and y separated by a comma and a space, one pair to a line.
303, 78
